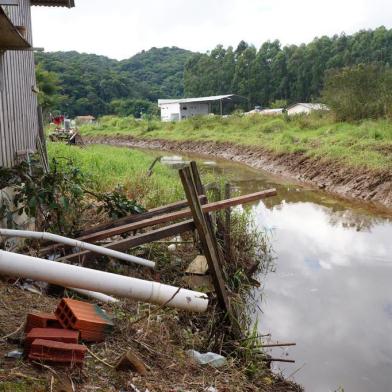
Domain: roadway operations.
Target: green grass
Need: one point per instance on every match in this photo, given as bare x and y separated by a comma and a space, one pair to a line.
106, 167
365, 144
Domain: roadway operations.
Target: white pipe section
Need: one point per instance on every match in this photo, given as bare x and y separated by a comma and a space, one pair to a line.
107, 299
13, 264
76, 244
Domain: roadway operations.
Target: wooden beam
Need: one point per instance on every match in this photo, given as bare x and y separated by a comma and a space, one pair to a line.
227, 230
138, 217
10, 36
196, 178
164, 218
205, 237
137, 240
123, 221
186, 213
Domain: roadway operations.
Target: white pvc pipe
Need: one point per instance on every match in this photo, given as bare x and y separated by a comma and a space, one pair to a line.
67, 275
107, 299
76, 244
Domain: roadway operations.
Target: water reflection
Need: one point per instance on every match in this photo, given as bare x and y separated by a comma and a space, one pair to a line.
331, 292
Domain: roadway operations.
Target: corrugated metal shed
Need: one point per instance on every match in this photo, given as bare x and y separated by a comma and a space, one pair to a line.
54, 3
18, 103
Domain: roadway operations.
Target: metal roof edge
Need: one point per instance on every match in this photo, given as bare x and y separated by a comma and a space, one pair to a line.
196, 99
53, 3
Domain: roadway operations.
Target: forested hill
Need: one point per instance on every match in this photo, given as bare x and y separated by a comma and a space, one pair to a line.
97, 85
271, 75
292, 73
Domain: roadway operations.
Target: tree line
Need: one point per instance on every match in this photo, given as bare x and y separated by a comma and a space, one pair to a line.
79, 83
271, 76
275, 72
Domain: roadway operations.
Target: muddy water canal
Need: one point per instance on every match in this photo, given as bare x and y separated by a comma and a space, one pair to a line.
331, 291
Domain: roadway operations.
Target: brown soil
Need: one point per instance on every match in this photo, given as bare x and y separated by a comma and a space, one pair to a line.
160, 341
358, 183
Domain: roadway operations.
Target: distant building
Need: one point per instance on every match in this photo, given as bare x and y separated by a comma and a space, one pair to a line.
181, 109
84, 120
265, 112
19, 114
305, 108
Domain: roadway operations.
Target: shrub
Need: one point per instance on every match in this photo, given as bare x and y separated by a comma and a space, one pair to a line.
359, 92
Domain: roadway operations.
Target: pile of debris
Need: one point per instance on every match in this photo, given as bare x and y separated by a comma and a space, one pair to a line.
57, 337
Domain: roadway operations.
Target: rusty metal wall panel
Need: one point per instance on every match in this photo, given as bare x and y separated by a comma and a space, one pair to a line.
18, 103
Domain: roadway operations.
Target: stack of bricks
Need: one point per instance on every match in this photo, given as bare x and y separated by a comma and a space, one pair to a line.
92, 322
54, 334
55, 337
54, 351
41, 320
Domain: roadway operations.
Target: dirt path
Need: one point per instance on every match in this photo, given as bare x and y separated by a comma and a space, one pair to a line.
362, 184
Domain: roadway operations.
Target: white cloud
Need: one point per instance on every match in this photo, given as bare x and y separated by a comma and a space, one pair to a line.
121, 28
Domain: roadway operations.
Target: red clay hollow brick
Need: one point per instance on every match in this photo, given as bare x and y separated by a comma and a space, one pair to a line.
53, 334
89, 319
53, 351
41, 320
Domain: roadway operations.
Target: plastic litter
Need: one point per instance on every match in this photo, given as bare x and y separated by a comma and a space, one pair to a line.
209, 358
15, 354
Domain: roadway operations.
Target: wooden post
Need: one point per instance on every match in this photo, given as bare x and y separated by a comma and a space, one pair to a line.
228, 223
41, 136
196, 178
206, 238
200, 191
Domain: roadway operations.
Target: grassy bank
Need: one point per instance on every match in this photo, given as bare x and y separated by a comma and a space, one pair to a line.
366, 144
107, 167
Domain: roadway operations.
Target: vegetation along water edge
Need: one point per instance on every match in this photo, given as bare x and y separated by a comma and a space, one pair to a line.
350, 159
95, 184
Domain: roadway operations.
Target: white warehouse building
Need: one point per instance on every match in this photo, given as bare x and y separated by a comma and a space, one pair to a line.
181, 109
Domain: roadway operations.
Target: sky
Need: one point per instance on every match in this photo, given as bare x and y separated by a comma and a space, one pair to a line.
121, 28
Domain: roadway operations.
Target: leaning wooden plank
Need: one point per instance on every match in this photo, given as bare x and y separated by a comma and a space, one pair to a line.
136, 240
205, 237
138, 217
123, 221
178, 215
200, 190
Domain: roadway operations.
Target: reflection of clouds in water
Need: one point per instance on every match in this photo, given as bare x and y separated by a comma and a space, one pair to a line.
309, 226
331, 294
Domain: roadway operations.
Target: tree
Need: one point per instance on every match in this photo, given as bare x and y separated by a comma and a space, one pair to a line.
49, 96
359, 92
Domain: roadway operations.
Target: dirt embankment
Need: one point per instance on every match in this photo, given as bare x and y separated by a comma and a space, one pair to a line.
364, 184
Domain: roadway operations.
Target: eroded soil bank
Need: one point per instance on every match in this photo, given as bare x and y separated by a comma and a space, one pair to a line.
363, 184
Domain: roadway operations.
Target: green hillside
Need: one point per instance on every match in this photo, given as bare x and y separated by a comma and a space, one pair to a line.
98, 85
